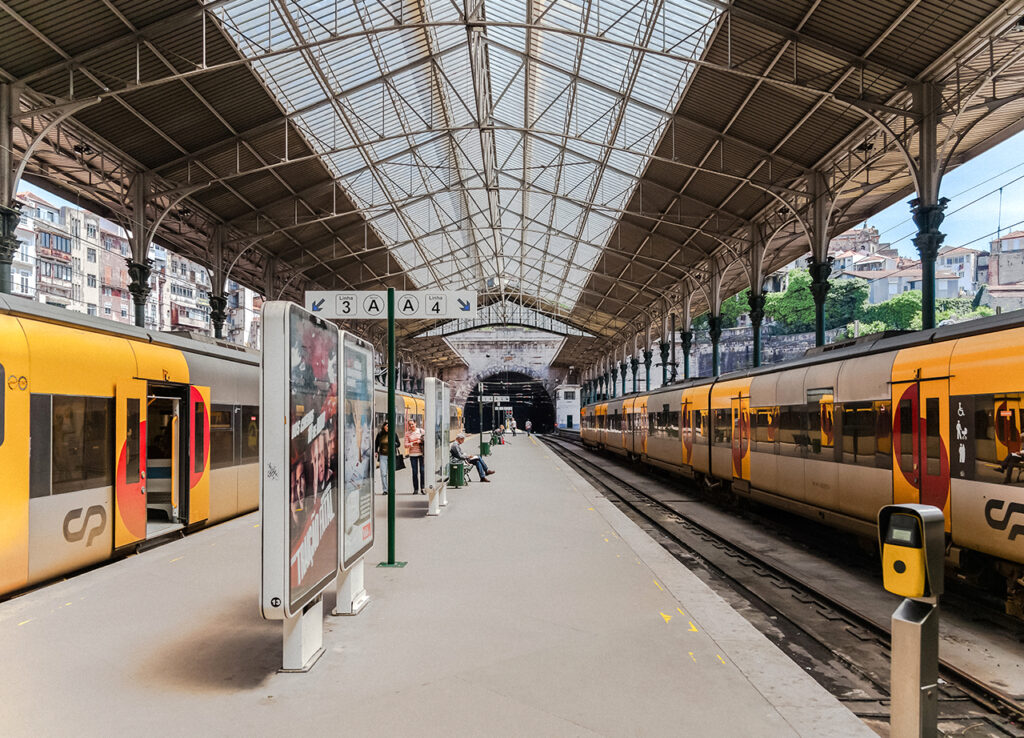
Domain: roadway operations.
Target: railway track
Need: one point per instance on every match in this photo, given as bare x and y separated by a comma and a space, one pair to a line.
842, 640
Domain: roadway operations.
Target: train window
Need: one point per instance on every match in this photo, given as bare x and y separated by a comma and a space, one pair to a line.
82, 443
794, 437
883, 434
933, 440
39, 446
250, 433
858, 433
132, 441
764, 427
997, 440
722, 429
222, 436
199, 437
906, 430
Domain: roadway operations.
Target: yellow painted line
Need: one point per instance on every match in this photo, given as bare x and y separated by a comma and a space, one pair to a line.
693, 657
658, 585
25, 621
177, 559
257, 525
680, 611
720, 658
606, 540
590, 508
667, 617
693, 628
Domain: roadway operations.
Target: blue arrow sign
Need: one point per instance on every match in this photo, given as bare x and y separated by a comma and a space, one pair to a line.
318, 306
463, 305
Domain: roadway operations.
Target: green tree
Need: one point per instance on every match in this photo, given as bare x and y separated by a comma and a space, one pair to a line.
792, 310
733, 308
845, 301
901, 313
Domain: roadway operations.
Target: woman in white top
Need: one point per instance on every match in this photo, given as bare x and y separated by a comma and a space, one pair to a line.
414, 444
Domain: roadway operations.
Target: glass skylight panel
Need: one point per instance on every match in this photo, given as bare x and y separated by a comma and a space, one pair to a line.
421, 162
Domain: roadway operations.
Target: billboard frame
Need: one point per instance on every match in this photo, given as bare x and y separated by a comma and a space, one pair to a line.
346, 342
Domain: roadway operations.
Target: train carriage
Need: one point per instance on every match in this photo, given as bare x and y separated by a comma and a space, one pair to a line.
932, 417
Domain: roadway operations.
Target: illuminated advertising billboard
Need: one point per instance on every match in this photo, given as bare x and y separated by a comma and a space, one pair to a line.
357, 463
299, 458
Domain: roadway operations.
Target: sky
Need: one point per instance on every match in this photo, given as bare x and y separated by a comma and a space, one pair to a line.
973, 213
973, 216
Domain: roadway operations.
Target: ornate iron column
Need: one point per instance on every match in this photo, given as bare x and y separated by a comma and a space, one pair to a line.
819, 290
648, 356
622, 373
9, 218
615, 373
756, 303
715, 331
928, 218
634, 365
138, 273
218, 314
687, 339
664, 348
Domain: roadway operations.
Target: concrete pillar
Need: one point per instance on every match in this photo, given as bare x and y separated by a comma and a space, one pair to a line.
928, 209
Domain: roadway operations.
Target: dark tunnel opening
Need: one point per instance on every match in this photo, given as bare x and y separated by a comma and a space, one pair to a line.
527, 397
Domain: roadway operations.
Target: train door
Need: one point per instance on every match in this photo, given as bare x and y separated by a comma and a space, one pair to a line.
741, 436
130, 463
195, 507
920, 445
163, 473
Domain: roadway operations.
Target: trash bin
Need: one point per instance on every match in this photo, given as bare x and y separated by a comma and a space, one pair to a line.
485, 448
457, 475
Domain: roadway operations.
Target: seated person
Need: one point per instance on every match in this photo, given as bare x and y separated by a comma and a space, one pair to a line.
459, 455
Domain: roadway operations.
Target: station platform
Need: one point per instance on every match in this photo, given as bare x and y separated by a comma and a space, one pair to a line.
530, 606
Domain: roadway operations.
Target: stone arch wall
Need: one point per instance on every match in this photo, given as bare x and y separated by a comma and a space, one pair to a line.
463, 388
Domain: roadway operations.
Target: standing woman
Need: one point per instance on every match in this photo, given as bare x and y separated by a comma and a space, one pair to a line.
414, 445
380, 445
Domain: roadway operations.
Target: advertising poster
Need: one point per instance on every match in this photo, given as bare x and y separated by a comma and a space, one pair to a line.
313, 457
440, 413
358, 447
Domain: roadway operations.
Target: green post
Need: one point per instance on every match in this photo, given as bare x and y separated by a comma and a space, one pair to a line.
392, 434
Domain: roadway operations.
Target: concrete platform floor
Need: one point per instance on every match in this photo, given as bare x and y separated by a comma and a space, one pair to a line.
531, 606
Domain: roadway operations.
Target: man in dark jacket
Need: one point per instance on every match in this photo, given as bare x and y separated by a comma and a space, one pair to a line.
460, 456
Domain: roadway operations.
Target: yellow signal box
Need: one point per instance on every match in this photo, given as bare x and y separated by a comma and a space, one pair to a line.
904, 567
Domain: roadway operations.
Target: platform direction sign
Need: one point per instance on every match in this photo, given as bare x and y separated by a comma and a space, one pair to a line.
409, 304
494, 398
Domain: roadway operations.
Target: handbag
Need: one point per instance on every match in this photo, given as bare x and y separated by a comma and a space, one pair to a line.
399, 462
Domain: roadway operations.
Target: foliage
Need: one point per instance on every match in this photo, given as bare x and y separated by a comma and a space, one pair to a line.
902, 312
733, 308
864, 330
792, 310
845, 302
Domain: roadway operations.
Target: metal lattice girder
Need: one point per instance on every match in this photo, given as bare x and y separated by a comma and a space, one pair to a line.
583, 159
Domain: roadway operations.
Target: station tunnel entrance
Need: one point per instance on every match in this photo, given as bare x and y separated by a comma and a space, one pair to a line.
527, 397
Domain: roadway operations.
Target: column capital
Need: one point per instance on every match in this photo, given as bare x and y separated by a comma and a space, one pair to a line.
820, 271
138, 272
756, 302
715, 327
928, 218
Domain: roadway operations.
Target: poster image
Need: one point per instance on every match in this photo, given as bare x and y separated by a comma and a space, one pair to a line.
313, 457
358, 459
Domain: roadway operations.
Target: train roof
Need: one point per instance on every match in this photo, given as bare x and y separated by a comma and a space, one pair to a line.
22, 307
874, 343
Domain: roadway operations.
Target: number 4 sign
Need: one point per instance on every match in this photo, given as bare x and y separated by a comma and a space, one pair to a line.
437, 305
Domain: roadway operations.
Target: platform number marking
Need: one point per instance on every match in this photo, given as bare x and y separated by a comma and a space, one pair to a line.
437, 305
373, 305
408, 305
345, 304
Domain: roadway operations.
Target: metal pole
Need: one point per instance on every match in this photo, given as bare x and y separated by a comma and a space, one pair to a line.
392, 433
480, 410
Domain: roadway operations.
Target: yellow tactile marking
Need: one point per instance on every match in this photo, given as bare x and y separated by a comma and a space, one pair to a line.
667, 617
179, 558
658, 585
720, 658
25, 621
693, 628
693, 657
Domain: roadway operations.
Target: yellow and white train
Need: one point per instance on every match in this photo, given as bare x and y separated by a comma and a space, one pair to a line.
112, 435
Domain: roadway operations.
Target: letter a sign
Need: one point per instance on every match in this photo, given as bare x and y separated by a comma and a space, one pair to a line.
373, 305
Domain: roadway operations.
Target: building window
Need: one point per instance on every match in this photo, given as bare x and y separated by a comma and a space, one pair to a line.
124, 312
90, 230
90, 255
91, 309
106, 310
91, 280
